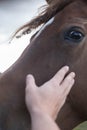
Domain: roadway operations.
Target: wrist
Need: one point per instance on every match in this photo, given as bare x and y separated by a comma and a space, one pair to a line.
40, 119
38, 112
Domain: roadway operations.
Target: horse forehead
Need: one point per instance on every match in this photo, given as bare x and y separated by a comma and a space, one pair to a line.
72, 14
46, 25
67, 14
78, 7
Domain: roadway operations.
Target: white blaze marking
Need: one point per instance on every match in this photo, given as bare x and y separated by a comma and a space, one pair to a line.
47, 24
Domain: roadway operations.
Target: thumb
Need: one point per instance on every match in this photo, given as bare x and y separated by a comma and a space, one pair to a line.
30, 82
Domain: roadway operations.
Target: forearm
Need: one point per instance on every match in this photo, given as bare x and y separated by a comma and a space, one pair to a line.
41, 121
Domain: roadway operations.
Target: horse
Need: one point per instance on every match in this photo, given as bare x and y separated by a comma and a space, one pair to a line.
61, 40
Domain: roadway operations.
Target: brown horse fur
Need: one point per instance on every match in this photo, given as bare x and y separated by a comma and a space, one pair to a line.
47, 52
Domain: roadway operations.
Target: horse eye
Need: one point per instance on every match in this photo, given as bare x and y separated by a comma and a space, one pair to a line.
74, 35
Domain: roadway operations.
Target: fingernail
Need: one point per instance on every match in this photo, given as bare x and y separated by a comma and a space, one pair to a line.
28, 76
67, 68
73, 74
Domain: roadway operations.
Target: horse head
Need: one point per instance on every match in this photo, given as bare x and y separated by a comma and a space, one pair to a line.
62, 40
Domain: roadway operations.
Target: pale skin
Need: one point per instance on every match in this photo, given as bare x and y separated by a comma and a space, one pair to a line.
45, 102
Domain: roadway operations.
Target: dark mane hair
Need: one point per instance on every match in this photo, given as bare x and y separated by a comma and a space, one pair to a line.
50, 10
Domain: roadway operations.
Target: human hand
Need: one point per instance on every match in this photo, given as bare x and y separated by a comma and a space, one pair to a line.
50, 97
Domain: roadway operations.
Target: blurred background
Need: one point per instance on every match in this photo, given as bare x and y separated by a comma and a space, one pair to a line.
13, 14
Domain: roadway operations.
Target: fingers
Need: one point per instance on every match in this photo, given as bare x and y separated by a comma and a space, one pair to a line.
60, 74
68, 83
30, 82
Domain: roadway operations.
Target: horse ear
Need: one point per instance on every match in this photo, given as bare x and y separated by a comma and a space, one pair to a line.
52, 1
48, 1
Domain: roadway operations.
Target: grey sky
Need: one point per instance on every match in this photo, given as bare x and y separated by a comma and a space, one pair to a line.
13, 14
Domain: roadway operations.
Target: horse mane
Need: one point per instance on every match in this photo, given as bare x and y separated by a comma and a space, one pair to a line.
50, 10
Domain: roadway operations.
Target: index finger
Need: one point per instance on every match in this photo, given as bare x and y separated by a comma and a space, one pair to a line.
59, 76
